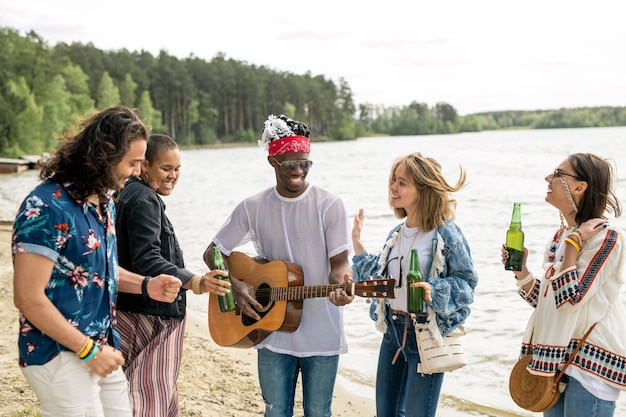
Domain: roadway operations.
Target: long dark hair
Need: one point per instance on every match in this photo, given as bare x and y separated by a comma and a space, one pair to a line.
88, 159
599, 197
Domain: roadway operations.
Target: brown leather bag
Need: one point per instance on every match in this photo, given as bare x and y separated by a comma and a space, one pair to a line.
536, 392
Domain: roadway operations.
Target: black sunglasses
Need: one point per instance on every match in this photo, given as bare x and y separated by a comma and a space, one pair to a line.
304, 164
560, 173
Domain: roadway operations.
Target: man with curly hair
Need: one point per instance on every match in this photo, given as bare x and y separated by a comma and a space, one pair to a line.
66, 275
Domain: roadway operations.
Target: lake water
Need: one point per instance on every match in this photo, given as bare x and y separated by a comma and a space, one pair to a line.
502, 167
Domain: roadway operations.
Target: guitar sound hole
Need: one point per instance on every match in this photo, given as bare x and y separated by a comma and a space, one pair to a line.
263, 296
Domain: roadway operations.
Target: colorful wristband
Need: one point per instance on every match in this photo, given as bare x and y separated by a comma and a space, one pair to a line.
92, 354
87, 347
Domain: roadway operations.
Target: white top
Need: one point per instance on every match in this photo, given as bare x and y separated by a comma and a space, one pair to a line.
595, 299
307, 230
591, 384
408, 238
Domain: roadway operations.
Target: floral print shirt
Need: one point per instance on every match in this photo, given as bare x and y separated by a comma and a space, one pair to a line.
84, 280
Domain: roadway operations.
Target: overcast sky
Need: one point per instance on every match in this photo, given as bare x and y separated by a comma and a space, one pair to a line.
477, 55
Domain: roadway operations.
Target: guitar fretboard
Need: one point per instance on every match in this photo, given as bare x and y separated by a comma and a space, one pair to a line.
302, 292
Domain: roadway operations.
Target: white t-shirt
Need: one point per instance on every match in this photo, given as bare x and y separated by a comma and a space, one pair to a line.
408, 238
307, 230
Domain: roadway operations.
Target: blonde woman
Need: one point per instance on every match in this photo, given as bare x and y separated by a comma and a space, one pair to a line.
420, 195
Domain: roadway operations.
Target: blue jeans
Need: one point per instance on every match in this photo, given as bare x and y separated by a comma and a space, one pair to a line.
278, 375
576, 401
400, 389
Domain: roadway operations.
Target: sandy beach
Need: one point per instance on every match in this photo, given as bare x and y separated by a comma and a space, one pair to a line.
214, 381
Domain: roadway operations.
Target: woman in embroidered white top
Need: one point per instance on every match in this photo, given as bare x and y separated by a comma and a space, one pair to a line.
419, 193
581, 286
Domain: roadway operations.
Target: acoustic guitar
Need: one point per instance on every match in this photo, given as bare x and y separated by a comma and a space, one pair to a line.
279, 288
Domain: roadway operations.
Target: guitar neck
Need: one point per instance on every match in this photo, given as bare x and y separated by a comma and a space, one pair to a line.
302, 292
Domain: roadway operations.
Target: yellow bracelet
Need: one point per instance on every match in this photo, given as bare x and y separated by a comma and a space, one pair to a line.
573, 243
92, 354
577, 236
195, 284
86, 348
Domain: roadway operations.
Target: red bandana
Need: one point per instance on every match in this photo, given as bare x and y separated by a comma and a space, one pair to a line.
289, 144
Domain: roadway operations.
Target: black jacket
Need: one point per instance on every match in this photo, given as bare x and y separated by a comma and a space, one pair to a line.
148, 246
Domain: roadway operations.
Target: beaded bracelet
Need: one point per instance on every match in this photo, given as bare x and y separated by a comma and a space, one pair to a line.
573, 243
195, 284
522, 282
577, 236
144, 287
92, 354
87, 347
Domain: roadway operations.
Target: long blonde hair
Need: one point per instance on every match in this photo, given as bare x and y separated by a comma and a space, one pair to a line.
436, 203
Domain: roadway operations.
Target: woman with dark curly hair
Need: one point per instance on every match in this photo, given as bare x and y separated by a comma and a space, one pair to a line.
66, 273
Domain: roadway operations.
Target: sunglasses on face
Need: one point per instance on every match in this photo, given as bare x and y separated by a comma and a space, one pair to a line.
304, 164
560, 173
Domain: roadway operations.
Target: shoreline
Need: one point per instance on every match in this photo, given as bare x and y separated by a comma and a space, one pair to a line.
213, 380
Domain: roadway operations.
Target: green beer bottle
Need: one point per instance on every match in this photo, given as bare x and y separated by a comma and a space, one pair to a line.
226, 302
515, 241
415, 296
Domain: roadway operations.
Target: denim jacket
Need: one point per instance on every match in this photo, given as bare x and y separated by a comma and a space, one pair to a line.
452, 277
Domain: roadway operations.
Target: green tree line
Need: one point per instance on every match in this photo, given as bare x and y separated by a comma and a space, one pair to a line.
419, 119
46, 89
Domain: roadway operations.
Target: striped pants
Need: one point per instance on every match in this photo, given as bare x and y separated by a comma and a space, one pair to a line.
152, 349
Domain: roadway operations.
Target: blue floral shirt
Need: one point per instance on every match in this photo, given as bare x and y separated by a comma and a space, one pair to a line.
84, 280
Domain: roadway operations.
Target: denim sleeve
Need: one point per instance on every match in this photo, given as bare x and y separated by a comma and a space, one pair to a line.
365, 266
453, 289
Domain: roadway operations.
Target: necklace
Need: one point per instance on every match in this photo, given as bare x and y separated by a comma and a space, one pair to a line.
407, 259
405, 229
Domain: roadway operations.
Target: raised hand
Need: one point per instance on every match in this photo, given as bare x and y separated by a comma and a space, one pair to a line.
356, 233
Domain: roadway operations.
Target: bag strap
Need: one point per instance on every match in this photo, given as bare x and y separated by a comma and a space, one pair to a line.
571, 358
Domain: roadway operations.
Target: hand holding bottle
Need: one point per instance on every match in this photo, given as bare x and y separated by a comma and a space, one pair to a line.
415, 291
515, 241
211, 282
426, 288
226, 301
504, 254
